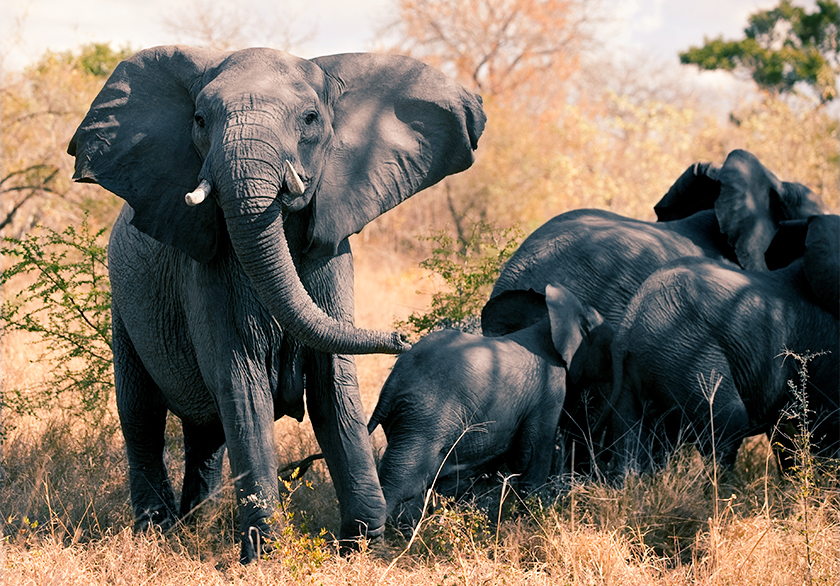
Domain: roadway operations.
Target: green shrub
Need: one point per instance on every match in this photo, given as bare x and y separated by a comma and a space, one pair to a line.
469, 268
68, 307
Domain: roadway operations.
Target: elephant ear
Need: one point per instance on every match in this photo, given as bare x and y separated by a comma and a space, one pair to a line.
751, 204
511, 311
569, 326
136, 142
787, 245
399, 126
822, 260
696, 190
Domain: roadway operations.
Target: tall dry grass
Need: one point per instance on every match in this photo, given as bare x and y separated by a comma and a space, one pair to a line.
66, 514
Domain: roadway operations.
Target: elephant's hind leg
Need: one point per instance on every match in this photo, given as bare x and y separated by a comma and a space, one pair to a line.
143, 419
731, 423
713, 413
204, 450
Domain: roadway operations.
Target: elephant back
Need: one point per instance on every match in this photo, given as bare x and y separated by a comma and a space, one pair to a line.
601, 257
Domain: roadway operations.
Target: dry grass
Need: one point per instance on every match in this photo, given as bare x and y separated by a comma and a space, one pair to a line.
613, 540
66, 514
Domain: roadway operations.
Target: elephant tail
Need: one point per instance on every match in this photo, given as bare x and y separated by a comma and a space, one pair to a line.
375, 420
384, 405
296, 470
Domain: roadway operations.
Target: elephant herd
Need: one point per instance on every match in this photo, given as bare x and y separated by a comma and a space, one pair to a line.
245, 172
654, 316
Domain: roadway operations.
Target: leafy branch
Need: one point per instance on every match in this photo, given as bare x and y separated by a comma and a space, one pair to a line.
68, 307
468, 268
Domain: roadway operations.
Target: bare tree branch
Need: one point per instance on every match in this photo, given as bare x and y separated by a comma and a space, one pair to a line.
224, 26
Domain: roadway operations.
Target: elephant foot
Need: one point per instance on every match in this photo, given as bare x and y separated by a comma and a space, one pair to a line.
352, 544
157, 520
255, 542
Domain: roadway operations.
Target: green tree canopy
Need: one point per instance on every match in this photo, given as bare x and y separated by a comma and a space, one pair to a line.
96, 59
783, 47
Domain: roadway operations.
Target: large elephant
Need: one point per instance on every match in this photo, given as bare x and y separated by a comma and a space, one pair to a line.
229, 295
458, 405
728, 212
699, 331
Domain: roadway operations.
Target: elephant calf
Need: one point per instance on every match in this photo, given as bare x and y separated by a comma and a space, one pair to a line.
458, 405
703, 351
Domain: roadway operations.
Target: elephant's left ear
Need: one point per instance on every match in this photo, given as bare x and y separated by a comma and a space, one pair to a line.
752, 203
822, 260
696, 190
399, 126
511, 311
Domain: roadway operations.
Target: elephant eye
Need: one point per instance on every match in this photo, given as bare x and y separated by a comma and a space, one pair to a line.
199, 119
310, 118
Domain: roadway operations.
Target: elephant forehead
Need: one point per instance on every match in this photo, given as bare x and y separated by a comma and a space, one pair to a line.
264, 72
250, 91
264, 59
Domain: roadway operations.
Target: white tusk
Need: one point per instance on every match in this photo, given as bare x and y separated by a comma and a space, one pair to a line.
293, 182
193, 198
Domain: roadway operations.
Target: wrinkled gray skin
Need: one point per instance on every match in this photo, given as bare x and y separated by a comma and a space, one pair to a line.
458, 405
729, 213
697, 321
220, 310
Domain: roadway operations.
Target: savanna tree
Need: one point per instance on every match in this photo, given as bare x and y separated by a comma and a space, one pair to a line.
783, 48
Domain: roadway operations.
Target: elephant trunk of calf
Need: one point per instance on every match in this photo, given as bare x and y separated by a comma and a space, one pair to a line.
248, 195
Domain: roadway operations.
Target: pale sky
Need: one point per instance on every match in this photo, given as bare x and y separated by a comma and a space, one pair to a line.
28, 27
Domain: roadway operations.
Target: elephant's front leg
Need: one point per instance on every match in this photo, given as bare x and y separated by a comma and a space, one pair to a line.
534, 445
142, 412
335, 406
248, 419
232, 338
338, 420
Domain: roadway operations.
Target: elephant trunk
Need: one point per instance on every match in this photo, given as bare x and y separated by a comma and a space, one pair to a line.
248, 194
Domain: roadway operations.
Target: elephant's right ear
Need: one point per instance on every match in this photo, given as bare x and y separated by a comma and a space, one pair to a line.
822, 260
136, 142
568, 323
579, 334
752, 203
696, 190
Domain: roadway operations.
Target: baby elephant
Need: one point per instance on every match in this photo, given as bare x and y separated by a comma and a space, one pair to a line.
458, 405
704, 352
